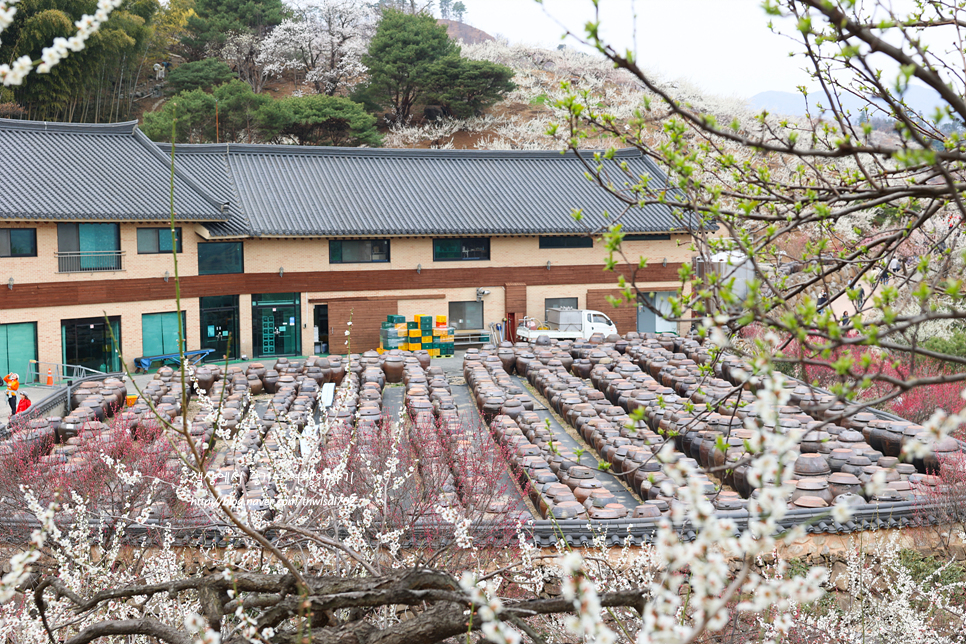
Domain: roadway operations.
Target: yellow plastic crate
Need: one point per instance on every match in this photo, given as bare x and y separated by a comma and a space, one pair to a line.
404, 346
427, 339
402, 327
415, 333
440, 320
438, 331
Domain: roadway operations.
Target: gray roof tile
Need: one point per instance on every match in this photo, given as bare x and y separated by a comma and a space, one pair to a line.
317, 191
63, 171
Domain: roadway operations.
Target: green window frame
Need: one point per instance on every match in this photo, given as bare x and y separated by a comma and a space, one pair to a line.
566, 241
358, 251
154, 241
460, 249
18, 242
221, 258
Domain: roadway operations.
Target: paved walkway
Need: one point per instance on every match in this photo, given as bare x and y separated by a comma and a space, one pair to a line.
36, 393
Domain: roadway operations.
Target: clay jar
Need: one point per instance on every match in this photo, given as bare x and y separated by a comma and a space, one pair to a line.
585, 487
813, 486
839, 457
393, 366
855, 465
811, 465
270, 381
205, 378
941, 449
841, 483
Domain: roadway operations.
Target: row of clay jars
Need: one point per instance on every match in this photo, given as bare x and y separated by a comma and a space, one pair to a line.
601, 426
595, 424
531, 459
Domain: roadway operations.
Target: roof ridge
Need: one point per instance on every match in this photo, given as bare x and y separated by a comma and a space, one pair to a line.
412, 153
155, 151
123, 127
234, 188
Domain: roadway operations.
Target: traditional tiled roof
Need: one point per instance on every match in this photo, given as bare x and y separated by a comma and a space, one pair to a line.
316, 191
66, 171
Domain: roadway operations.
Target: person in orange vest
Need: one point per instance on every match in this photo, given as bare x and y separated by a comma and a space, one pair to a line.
13, 385
24, 404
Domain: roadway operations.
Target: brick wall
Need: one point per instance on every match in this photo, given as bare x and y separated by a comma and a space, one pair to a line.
624, 316
367, 319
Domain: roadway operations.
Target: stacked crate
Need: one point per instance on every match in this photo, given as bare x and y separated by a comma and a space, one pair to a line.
394, 333
423, 333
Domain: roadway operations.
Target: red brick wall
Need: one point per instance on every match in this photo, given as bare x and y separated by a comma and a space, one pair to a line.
367, 319
516, 302
624, 316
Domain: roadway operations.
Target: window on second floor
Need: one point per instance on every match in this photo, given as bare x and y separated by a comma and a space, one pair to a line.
18, 242
566, 241
89, 247
216, 258
357, 251
467, 248
647, 237
152, 241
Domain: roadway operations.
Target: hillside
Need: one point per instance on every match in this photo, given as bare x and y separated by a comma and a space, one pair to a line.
466, 33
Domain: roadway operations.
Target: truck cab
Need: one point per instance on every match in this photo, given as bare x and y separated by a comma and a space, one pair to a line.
597, 322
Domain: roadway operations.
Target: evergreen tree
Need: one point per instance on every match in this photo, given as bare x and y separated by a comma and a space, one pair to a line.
402, 58
320, 120
465, 87
411, 60
201, 74
216, 18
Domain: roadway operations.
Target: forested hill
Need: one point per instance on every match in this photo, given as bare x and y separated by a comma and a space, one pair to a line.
311, 72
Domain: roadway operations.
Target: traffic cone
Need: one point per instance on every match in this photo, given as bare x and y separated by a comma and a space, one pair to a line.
50, 377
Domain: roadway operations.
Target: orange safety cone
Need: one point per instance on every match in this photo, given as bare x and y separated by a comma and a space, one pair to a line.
50, 378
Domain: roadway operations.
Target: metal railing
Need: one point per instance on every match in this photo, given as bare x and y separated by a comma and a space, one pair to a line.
60, 373
56, 399
90, 262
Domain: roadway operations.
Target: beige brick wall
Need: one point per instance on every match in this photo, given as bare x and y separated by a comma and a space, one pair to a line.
267, 255
49, 320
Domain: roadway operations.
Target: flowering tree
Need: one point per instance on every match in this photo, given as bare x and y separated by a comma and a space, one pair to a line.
324, 42
243, 52
872, 205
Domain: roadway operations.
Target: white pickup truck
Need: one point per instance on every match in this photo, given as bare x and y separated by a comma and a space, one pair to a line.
570, 324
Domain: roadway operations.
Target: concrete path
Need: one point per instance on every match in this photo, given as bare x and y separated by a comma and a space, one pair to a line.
36, 393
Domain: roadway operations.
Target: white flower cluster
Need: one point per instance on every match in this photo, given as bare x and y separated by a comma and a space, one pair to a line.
61, 47
488, 607
460, 523
7, 12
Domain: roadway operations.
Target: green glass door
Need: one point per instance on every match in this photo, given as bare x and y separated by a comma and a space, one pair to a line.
219, 325
276, 325
87, 342
159, 333
18, 346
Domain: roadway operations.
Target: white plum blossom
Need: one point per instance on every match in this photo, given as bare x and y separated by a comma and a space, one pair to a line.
59, 49
325, 42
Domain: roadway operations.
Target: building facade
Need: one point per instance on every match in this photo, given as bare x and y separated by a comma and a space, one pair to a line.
278, 247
